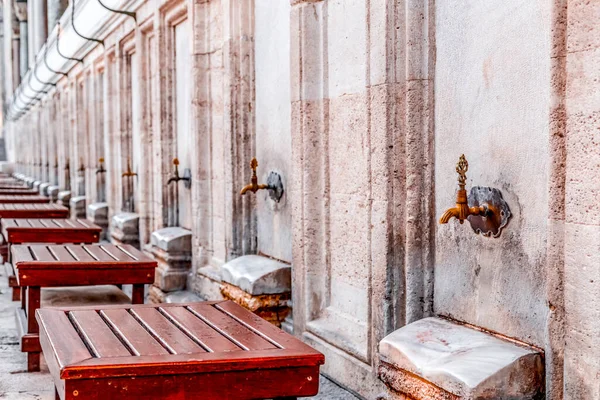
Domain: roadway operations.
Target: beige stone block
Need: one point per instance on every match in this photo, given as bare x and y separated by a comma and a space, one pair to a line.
349, 247
387, 161
583, 25
349, 145
583, 168
346, 44
583, 75
169, 280
308, 84
582, 311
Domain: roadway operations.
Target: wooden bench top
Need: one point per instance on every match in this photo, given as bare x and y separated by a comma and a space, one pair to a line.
39, 230
19, 191
73, 265
210, 350
33, 210
8, 198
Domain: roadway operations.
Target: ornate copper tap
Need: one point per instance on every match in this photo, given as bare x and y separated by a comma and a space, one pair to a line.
128, 172
462, 210
100, 169
253, 186
81, 166
176, 177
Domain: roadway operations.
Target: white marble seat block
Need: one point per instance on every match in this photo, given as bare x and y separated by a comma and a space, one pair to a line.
44, 188
53, 192
36, 185
467, 363
29, 182
125, 229
126, 222
64, 196
258, 275
97, 211
77, 205
172, 239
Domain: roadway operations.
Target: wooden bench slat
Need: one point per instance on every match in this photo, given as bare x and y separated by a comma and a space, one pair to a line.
166, 332
230, 328
125, 252
41, 253
80, 254
265, 328
97, 335
132, 333
212, 340
61, 254
112, 251
66, 342
97, 251
21, 253
59, 224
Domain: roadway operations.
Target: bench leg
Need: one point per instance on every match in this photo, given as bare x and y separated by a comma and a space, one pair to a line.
24, 298
33, 303
137, 294
33, 362
16, 293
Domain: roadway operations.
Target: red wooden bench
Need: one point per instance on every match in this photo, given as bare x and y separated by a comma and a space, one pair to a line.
27, 210
16, 231
8, 198
208, 351
33, 210
19, 191
44, 266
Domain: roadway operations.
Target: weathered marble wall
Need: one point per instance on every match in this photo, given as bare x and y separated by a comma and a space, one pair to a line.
363, 107
273, 125
492, 103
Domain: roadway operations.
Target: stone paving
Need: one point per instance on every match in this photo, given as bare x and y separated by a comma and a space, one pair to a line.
17, 384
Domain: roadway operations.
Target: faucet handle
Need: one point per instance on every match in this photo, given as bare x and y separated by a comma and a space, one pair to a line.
461, 168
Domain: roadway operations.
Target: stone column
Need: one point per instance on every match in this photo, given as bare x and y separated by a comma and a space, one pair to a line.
56, 8
30, 33
7, 16
581, 278
16, 77
21, 13
39, 29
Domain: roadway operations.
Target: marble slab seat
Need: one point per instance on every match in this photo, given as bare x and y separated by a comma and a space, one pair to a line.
64, 198
172, 248
77, 206
260, 284
43, 189
436, 359
125, 229
97, 213
53, 192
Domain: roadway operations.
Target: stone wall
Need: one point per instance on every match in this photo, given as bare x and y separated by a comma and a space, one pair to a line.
363, 107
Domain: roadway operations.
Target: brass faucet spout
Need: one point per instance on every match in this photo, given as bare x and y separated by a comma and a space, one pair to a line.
462, 210
253, 186
448, 215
